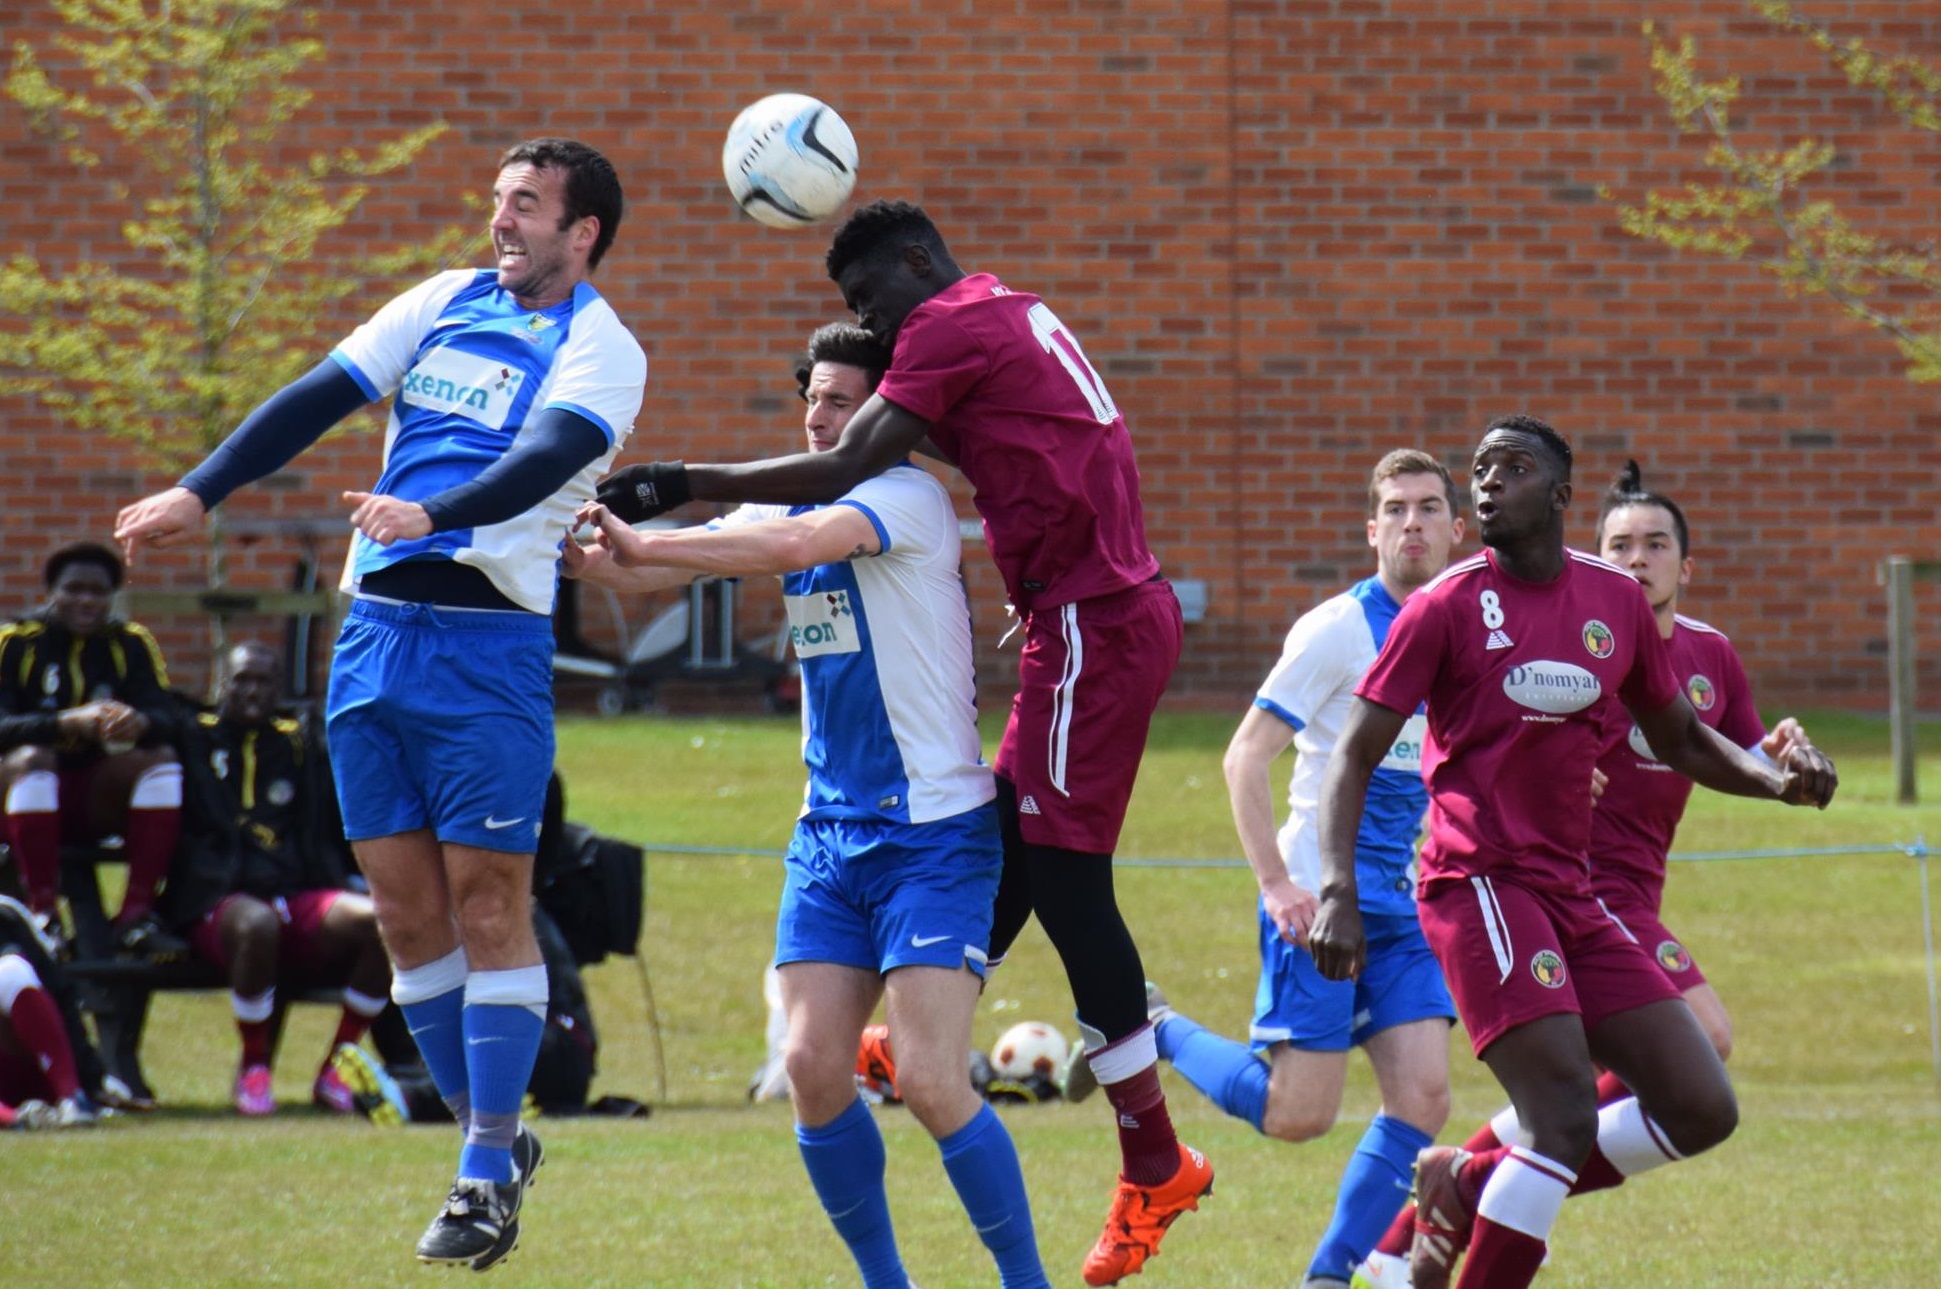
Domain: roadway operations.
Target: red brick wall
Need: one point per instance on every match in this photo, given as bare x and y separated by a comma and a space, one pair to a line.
1291, 235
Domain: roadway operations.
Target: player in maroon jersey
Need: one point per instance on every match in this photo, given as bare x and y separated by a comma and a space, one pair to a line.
1518, 653
1645, 534
997, 385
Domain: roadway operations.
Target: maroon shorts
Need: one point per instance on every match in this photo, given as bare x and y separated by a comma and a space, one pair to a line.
1091, 675
21, 1079
1666, 949
1512, 955
300, 945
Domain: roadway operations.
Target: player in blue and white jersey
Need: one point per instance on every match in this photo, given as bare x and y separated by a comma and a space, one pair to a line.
1399, 1011
894, 864
514, 388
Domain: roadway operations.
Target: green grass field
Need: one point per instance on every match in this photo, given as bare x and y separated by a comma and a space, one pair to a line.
1831, 1180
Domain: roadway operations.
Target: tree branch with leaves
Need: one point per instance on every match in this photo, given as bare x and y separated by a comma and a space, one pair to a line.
1761, 208
222, 295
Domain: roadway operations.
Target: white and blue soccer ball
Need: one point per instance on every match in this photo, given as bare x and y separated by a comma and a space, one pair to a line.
790, 161
1027, 1048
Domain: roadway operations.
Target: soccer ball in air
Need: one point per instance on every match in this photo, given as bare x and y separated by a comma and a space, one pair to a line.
790, 161
1028, 1048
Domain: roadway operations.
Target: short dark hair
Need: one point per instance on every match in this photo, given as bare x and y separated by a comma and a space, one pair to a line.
1628, 490
1409, 461
1543, 431
882, 227
845, 343
94, 553
592, 187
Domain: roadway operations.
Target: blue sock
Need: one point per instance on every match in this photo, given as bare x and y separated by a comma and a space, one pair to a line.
1373, 1187
983, 1166
1230, 1075
503, 1026
432, 999
845, 1162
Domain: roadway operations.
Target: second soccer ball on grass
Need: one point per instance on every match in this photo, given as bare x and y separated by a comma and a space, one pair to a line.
1030, 1047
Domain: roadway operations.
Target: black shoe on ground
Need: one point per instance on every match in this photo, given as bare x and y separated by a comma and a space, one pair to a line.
478, 1226
145, 937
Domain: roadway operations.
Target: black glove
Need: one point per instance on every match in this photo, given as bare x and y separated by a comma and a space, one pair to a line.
642, 492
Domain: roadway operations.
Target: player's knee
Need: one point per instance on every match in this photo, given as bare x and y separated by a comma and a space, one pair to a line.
1287, 1119
1423, 1104
253, 925
17, 975
358, 916
1562, 1129
935, 1093
820, 1071
27, 760
490, 915
1702, 1118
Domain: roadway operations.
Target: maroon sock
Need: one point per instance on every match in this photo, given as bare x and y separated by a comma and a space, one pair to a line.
36, 840
1610, 1088
37, 1022
151, 839
1146, 1142
1400, 1236
1597, 1174
256, 1041
1475, 1171
1500, 1258
351, 1029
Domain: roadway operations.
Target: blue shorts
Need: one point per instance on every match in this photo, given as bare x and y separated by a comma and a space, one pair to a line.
442, 719
1400, 983
876, 895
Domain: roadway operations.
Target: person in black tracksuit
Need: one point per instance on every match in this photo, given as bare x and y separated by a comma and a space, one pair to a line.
262, 885
83, 758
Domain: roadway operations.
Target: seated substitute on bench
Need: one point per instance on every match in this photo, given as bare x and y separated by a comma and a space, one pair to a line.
260, 887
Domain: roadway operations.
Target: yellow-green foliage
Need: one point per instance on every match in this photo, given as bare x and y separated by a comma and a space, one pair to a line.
1760, 207
220, 300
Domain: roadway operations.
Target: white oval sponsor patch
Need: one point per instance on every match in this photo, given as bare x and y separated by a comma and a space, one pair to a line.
1555, 687
1638, 745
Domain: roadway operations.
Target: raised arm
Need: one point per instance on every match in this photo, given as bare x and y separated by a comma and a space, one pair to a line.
289, 421
782, 545
876, 438
1801, 776
1335, 940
